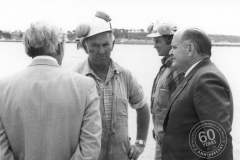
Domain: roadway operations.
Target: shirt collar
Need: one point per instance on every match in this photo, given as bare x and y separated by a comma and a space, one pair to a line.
88, 70
167, 60
191, 68
45, 57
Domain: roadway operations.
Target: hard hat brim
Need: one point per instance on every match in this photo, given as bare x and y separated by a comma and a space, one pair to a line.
154, 35
157, 35
93, 34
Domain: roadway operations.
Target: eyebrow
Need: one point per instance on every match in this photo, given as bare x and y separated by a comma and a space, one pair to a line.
94, 43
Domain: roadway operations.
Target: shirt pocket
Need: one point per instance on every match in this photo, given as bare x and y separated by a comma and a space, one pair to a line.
122, 115
163, 99
122, 107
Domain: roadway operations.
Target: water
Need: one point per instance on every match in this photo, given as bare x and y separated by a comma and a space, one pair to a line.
144, 63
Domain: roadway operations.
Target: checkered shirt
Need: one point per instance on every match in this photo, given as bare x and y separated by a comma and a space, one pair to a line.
106, 89
173, 79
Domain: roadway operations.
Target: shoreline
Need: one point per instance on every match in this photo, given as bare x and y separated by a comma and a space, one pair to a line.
146, 43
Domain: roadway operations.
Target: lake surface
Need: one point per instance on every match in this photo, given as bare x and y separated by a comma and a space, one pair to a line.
144, 62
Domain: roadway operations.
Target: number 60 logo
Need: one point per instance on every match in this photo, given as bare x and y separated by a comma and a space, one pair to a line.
207, 139
203, 138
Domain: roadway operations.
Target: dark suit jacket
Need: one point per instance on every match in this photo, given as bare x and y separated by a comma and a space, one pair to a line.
203, 95
46, 112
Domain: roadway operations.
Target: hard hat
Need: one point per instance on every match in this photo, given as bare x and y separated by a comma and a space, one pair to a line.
98, 24
159, 29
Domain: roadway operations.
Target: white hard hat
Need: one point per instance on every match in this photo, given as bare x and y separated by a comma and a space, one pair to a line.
161, 28
98, 24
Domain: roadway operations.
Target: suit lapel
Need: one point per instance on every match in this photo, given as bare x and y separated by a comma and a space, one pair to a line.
44, 62
185, 82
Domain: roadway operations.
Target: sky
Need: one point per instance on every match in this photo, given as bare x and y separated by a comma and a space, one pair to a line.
213, 16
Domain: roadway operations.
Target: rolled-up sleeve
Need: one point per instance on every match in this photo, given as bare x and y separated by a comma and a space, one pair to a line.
137, 98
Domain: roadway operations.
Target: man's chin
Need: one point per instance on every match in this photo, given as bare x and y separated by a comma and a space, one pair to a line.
104, 63
177, 67
159, 53
174, 64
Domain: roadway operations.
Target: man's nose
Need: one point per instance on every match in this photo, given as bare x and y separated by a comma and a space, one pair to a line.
155, 45
171, 52
101, 49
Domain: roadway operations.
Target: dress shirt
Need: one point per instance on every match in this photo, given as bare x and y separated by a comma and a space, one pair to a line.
191, 68
45, 57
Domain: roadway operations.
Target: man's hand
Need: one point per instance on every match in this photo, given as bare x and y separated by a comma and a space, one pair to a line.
135, 151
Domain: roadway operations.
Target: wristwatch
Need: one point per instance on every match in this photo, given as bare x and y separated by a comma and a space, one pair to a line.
140, 142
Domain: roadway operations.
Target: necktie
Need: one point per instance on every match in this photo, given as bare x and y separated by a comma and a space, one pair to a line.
174, 79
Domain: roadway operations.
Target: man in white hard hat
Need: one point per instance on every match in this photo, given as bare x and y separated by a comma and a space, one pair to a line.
116, 87
166, 80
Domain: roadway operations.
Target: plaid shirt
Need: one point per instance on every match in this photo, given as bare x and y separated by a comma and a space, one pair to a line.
172, 80
106, 89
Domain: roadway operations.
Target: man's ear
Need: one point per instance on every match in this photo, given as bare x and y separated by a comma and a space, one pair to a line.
85, 47
60, 49
113, 43
191, 49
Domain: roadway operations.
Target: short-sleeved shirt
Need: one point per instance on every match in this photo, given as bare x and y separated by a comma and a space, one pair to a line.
125, 89
106, 88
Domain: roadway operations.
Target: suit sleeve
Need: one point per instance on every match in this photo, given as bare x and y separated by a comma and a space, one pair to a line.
5, 150
213, 101
91, 129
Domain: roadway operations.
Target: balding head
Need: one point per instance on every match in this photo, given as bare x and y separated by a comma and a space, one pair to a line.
199, 39
189, 47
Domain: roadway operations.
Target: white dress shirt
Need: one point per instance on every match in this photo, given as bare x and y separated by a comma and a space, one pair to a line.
45, 57
191, 68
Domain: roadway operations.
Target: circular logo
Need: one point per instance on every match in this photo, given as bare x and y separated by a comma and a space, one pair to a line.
164, 30
207, 139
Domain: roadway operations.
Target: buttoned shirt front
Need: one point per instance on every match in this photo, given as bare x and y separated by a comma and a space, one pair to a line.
106, 89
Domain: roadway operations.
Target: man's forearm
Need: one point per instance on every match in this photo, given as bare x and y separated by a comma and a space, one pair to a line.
143, 117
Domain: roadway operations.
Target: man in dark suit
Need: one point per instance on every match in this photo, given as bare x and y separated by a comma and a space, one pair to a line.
200, 112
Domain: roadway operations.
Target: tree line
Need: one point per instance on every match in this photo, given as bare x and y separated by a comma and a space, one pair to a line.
120, 34
71, 35
16, 35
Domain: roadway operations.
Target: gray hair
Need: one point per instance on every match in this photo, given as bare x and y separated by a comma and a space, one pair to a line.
199, 38
42, 38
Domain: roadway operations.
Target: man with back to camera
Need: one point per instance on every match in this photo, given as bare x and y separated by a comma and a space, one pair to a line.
166, 80
46, 111
200, 111
116, 87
